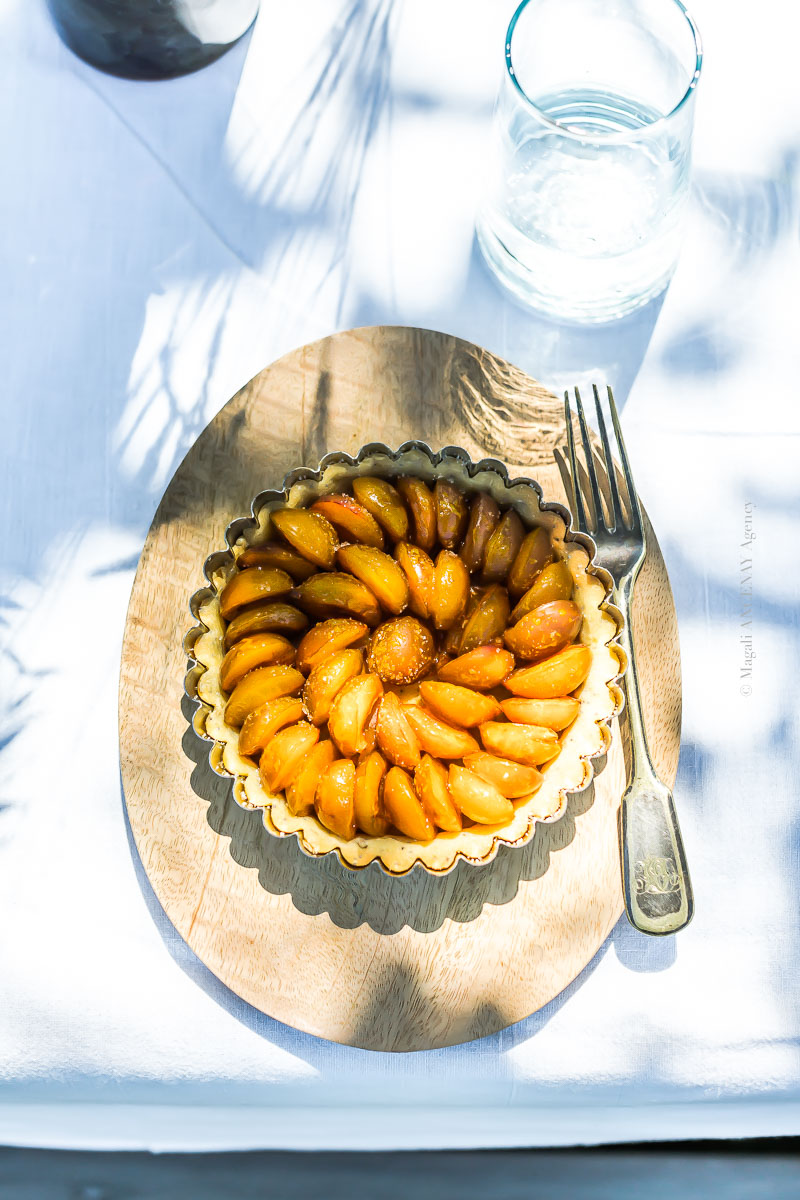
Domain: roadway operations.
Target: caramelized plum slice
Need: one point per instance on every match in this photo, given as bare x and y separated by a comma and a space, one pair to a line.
512, 779
326, 680
430, 782
487, 621
378, 572
351, 711
327, 638
437, 737
477, 798
534, 553
301, 793
332, 594
256, 583
459, 705
311, 534
450, 590
552, 677
483, 668
452, 513
553, 714
419, 571
265, 618
404, 807
368, 797
545, 630
277, 554
502, 548
261, 725
528, 744
335, 798
281, 761
483, 517
259, 686
351, 519
420, 500
385, 504
554, 583
259, 650
394, 734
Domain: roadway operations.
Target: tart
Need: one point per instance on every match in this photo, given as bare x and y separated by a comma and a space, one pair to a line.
404, 658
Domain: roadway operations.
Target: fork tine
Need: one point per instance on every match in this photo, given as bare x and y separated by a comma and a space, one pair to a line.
587, 449
633, 499
580, 511
611, 474
559, 453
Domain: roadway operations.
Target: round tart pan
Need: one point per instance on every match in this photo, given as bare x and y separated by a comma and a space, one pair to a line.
585, 740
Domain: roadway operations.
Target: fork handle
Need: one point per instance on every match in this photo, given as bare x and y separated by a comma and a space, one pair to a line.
655, 878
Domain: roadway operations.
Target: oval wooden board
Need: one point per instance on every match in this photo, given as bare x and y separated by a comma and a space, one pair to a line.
360, 958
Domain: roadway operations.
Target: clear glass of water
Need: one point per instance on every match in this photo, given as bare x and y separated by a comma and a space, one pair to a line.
591, 152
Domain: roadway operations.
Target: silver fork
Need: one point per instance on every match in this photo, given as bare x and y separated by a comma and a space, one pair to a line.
655, 878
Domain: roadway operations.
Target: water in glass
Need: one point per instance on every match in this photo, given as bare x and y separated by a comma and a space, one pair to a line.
587, 229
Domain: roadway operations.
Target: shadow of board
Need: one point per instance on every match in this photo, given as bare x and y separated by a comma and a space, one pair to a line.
352, 898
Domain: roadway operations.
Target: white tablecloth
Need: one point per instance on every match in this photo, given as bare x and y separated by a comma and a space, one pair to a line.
163, 242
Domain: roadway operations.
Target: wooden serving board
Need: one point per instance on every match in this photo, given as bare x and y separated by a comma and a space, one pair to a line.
383, 963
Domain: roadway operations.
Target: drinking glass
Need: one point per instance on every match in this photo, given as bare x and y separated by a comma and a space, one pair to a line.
591, 152
151, 39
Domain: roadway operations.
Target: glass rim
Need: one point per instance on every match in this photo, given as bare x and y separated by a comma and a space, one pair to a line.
623, 135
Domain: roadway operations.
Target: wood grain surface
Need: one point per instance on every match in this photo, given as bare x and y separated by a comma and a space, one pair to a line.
386, 964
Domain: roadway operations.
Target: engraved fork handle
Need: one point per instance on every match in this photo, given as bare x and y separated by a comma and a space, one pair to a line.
655, 878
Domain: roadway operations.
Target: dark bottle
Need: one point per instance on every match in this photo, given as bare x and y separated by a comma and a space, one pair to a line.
151, 39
